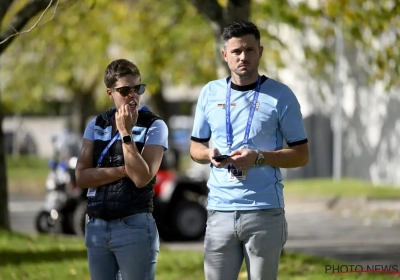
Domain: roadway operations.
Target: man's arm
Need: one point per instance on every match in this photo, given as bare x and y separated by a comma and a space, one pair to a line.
141, 168
293, 131
295, 156
199, 152
89, 177
290, 157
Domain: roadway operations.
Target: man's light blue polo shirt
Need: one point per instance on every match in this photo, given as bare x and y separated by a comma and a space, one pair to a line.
277, 116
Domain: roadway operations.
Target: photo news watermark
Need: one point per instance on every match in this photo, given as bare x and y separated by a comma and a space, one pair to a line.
354, 268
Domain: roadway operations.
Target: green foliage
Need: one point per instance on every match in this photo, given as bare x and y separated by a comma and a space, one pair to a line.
66, 57
369, 29
269, 17
59, 59
169, 42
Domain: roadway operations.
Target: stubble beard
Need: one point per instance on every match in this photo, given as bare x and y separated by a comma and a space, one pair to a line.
247, 73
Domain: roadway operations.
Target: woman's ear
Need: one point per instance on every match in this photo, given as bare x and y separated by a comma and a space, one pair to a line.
109, 93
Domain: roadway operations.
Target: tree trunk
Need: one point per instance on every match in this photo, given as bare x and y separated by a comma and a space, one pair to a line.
221, 65
21, 18
219, 17
159, 103
4, 218
83, 107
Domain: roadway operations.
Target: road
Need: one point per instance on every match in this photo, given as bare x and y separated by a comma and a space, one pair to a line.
312, 230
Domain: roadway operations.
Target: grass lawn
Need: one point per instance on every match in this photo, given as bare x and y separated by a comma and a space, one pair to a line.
347, 187
56, 257
26, 174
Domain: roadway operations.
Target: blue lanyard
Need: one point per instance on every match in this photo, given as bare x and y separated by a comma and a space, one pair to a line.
228, 113
104, 152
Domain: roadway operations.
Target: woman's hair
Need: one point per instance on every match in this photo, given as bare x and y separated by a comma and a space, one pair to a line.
117, 69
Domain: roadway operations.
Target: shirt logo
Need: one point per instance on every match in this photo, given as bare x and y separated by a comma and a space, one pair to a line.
257, 105
224, 105
100, 132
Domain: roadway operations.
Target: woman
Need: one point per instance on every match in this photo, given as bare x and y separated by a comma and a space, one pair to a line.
121, 153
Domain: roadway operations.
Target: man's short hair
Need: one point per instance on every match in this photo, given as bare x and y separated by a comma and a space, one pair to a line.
117, 69
239, 29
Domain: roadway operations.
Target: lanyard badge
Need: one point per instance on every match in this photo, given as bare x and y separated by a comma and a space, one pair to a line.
92, 191
233, 172
229, 137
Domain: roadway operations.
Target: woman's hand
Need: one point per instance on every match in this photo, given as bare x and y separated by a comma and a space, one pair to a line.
125, 119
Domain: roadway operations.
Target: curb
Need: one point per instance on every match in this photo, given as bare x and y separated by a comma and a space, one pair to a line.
340, 203
363, 203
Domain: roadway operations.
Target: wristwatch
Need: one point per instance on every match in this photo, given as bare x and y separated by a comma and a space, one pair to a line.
127, 139
260, 158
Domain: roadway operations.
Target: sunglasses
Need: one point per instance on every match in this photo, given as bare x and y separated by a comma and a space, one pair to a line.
125, 91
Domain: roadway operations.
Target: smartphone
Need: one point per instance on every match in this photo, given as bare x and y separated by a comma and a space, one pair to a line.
220, 158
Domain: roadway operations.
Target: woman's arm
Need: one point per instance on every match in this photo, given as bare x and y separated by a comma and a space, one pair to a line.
141, 168
89, 177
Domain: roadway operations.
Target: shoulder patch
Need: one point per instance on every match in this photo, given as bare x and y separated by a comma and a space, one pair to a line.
103, 134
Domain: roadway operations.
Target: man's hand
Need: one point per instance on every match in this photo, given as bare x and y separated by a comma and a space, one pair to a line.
243, 159
215, 152
125, 119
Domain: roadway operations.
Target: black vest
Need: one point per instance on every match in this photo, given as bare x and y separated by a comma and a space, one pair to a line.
121, 198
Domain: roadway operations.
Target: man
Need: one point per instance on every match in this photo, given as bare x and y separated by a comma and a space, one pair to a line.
246, 116
121, 153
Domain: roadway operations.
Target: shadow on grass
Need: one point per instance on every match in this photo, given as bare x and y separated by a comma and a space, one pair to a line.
8, 257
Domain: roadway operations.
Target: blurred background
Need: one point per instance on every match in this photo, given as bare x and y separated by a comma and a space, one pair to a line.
340, 57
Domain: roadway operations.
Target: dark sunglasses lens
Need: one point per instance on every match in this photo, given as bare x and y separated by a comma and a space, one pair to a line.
124, 91
141, 90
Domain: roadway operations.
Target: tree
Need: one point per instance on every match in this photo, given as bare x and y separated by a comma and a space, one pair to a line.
369, 35
155, 37
64, 62
171, 45
369, 29
18, 21
56, 58
219, 16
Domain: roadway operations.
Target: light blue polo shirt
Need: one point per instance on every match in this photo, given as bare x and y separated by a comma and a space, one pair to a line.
277, 116
156, 135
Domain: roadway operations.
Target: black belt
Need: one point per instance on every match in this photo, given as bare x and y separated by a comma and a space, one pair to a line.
116, 217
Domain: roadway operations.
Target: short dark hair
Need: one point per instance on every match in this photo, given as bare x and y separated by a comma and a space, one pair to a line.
239, 29
117, 69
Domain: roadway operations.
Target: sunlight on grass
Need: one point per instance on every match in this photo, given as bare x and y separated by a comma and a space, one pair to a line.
26, 174
55, 257
347, 187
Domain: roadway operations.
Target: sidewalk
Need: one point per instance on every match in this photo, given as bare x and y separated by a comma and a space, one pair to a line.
353, 230
384, 212
337, 228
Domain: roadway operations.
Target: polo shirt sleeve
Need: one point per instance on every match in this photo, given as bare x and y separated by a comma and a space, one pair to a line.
89, 130
290, 118
157, 134
201, 128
